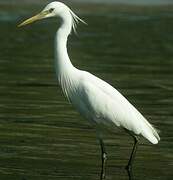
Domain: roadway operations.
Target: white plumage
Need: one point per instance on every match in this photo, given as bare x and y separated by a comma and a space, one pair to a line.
98, 101
95, 99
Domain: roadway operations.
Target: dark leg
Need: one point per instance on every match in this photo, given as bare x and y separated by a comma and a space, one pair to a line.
104, 158
132, 157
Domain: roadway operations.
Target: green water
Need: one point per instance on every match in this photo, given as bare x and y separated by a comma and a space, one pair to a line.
41, 136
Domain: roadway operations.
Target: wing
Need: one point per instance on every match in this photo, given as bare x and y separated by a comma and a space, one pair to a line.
107, 106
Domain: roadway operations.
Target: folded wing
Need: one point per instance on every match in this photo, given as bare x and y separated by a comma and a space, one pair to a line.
108, 106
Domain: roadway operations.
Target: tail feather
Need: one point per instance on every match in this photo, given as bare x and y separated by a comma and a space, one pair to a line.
150, 132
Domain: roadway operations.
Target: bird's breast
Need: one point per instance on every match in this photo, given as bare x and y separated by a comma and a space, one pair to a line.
73, 91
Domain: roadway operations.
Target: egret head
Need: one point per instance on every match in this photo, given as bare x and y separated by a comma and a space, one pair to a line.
55, 9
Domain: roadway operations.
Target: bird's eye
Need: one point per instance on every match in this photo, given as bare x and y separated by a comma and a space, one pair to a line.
51, 10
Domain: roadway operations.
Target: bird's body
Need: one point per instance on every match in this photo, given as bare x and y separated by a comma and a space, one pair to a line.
94, 98
102, 104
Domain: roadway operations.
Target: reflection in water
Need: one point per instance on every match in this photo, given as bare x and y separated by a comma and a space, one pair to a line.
42, 136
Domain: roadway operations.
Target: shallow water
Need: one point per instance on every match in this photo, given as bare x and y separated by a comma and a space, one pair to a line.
42, 136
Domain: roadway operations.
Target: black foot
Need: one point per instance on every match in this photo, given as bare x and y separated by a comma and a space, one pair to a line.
102, 177
103, 171
128, 168
129, 171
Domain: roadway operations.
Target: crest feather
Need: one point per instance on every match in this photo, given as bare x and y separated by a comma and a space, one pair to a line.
76, 20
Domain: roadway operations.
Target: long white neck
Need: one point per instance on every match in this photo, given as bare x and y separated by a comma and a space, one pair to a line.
63, 64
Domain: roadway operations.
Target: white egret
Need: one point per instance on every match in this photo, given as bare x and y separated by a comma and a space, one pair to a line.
95, 99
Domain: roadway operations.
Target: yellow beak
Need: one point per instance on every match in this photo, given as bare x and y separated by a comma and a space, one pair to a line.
34, 18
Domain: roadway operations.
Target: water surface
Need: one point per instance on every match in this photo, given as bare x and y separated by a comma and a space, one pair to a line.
42, 136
